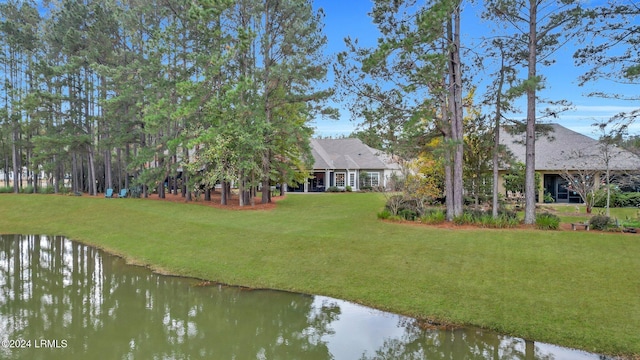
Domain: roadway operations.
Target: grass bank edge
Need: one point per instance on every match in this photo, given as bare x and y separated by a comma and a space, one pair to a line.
330, 245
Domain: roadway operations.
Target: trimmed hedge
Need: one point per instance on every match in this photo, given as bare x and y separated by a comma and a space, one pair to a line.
626, 199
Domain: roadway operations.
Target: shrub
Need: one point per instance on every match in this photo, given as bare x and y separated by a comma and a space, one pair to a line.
476, 214
6, 190
135, 191
384, 214
617, 198
408, 214
508, 214
547, 221
27, 189
600, 222
628, 199
631, 223
45, 190
506, 221
349, 189
334, 189
486, 220
465, 219
397, 203
394, 204
601, 198
433, 217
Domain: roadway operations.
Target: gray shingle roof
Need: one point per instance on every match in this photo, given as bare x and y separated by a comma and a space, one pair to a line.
564, 149
348, 154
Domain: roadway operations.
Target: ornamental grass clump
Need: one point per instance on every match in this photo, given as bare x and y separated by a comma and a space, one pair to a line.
505, 221
547, 221
466, 218
433, 217
384, 214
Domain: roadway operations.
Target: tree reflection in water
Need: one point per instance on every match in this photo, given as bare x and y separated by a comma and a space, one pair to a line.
54, 289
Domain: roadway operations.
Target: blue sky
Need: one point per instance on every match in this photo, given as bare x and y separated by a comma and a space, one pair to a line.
349, 18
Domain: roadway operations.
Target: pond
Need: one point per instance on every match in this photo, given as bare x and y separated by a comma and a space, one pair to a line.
60, 299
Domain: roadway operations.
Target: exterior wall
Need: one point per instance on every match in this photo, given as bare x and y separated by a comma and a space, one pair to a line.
326, 178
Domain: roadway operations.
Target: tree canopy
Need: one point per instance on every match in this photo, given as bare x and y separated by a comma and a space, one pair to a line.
170, 95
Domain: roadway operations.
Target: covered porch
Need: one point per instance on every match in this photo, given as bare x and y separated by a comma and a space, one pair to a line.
320, 181
557, 187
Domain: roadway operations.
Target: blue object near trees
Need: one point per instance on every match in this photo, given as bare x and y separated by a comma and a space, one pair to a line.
109, 193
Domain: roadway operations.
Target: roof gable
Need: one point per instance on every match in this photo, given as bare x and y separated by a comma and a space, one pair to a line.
565, 149
348, 154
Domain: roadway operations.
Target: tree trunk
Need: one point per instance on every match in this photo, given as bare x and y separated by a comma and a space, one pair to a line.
530, 166
185, 179
74, 170
93, 190
266, 183
224, 195
174, 181
448, 186
496, 138
108, 179
120, 180
268, 86
608, 175
241, 198
6, 170
57, 176
161, 190
16, 161
455, 113
127, 155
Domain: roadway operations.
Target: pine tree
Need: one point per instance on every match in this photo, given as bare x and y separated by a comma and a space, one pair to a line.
541, 27
414, 74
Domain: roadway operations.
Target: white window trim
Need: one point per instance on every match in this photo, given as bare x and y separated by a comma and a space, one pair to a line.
370, 177
352, 180
344, 179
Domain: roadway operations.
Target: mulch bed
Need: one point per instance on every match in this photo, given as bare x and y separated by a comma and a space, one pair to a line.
233, 203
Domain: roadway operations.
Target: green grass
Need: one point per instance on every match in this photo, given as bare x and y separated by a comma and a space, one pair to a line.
573, 288
574, 213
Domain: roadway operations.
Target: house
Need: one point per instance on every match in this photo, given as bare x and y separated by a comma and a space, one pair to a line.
566, 150
348, 162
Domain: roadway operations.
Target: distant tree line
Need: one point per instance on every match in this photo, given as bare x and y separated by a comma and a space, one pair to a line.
119, 94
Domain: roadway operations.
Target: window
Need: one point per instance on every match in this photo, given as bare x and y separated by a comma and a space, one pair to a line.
352, 180
373, 179
340, 179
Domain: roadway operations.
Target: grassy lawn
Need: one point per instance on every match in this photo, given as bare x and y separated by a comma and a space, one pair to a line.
578, 289
576, 213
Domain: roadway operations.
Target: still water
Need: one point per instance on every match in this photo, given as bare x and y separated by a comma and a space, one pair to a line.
60, 299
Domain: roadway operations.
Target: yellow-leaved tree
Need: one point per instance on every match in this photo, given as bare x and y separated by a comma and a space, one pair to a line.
424, 181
